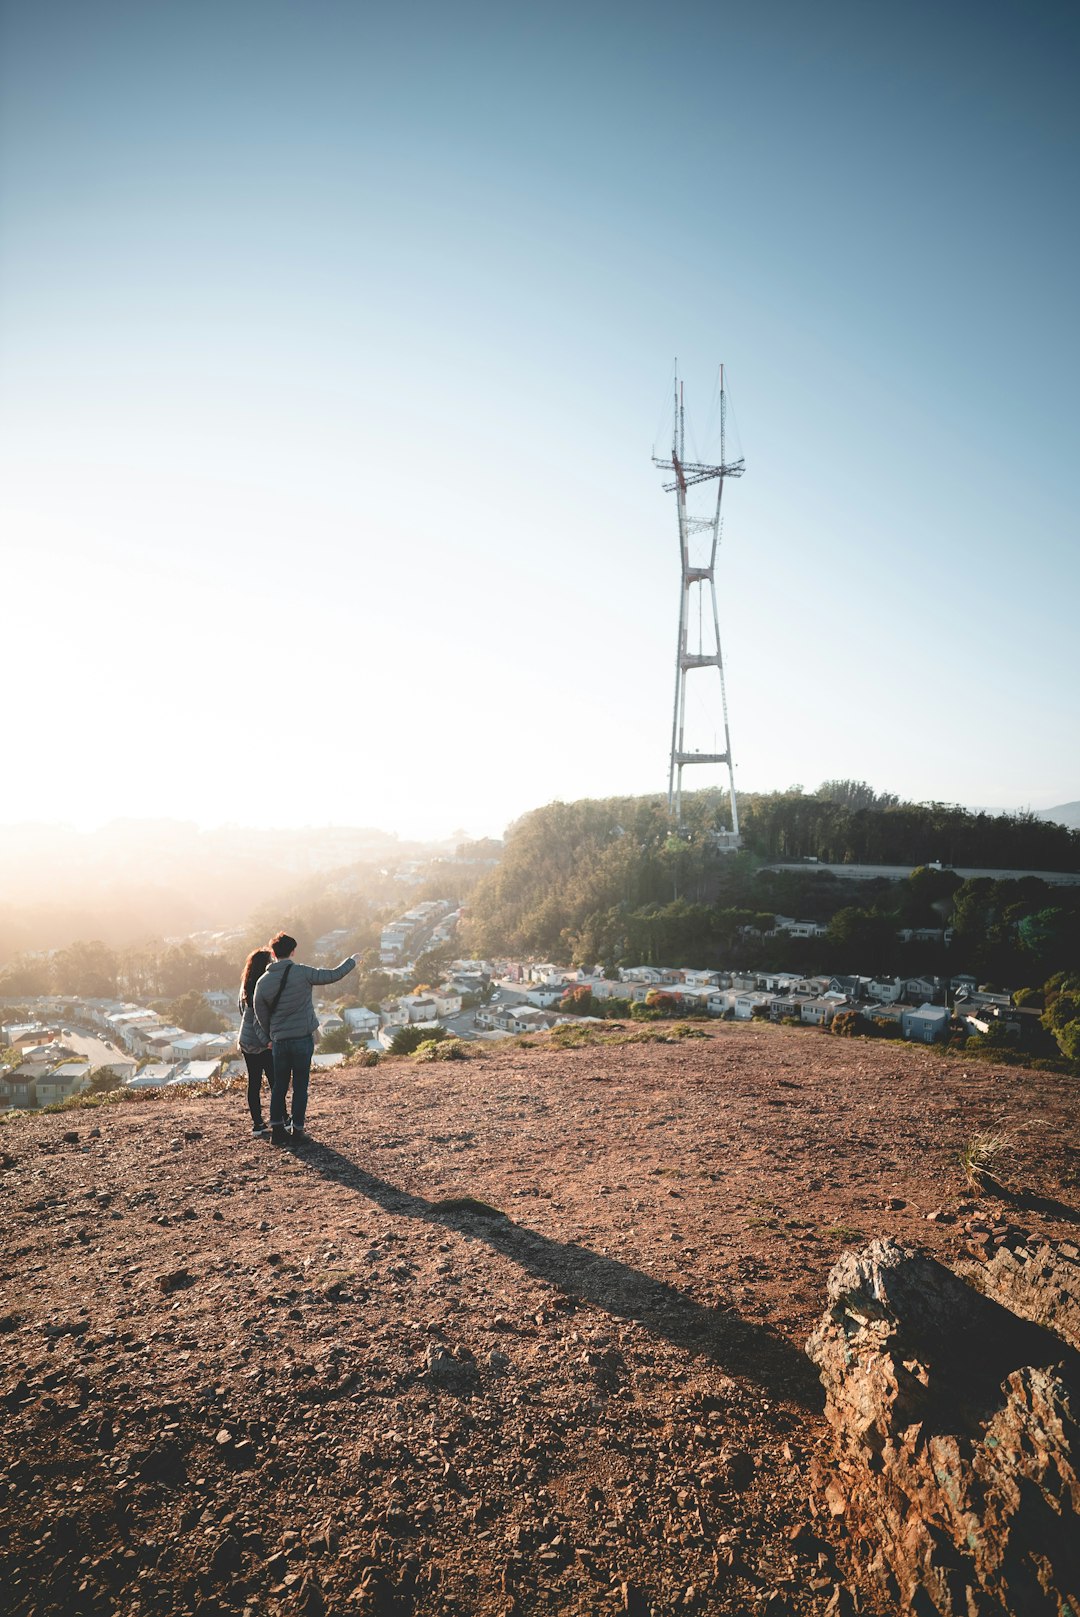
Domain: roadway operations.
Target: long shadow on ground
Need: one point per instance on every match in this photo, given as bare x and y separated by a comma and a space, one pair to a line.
733, 1343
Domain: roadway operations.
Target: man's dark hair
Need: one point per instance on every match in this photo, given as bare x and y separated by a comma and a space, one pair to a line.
282, 945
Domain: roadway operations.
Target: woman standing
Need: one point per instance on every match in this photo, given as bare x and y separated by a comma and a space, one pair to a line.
258, 1055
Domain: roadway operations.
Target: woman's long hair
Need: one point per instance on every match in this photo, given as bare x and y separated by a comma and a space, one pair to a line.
254, 966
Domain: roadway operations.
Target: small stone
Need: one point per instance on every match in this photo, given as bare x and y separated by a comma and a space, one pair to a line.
177, 1280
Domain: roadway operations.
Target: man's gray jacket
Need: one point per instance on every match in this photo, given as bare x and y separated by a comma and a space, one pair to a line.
294, 1015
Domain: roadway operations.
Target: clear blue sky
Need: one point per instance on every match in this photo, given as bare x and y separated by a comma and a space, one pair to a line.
334, 339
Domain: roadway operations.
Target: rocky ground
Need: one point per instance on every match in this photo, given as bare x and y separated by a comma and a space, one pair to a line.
522, 1333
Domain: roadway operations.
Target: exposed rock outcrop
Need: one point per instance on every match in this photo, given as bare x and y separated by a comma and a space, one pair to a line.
1039, 1280
956, 1444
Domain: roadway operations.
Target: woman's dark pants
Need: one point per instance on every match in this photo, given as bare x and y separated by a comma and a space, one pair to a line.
259, 1066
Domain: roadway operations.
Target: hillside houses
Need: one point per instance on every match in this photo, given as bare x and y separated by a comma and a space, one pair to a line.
134, 1043
425, 926
916, 1005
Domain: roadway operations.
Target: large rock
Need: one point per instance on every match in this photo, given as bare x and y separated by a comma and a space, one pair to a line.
955, 1440
1039, 1280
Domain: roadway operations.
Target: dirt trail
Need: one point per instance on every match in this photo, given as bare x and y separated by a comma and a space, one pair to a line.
326, 1380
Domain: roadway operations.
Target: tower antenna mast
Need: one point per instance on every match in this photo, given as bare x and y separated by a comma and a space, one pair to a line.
695, 577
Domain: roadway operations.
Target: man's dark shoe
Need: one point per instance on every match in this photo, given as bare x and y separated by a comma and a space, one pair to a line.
259, 1128
277, 1134
299, 1137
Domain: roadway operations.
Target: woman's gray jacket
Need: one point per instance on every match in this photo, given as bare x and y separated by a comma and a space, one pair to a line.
294, 1015
249, 1039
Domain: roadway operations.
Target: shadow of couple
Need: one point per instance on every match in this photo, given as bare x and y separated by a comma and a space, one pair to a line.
732, 1343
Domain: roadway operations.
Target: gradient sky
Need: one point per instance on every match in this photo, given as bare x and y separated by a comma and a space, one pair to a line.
335, 338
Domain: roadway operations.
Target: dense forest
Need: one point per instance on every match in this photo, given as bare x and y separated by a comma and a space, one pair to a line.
607, 881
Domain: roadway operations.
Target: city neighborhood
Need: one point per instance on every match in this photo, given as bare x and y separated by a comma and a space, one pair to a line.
63, 1042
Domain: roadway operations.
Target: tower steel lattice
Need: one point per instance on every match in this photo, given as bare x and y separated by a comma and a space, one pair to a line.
695, 577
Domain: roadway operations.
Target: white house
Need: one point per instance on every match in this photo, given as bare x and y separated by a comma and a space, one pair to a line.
885, 990
419, 1007
818, 1012
361, 1022
541, 995
928, 1024
39, 1055
154, 1076
635, 992
18, 1089
782, 1005
25, 1035
919, 989
525, 1019
62, 1082
800, 929
188, 1047
195, 1072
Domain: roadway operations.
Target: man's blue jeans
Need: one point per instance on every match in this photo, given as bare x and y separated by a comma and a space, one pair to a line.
292, 1062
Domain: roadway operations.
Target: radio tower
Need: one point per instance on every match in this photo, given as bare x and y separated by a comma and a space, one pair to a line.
695, 577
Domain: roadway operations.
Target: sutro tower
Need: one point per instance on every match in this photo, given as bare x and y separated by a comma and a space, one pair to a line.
695, 577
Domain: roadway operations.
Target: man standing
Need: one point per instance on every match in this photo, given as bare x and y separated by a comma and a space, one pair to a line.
286, 1016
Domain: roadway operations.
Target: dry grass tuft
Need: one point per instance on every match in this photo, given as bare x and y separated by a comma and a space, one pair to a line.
984, 1156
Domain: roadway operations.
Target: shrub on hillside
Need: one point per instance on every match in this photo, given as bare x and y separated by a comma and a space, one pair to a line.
615, 1009
407, 1040
666, 1004
644, 1013
441, 1050
852, 1024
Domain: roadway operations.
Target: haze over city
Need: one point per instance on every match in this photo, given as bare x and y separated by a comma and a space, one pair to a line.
336, 341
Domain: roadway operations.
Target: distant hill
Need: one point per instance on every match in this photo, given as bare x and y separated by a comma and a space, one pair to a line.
606, 880
1064, 814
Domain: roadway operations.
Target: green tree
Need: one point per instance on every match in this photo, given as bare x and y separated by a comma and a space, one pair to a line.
103, 1081
374, 988
409, 1039
856, 794
865, 938
87, 969
336, 1043
191, 1012
27, 974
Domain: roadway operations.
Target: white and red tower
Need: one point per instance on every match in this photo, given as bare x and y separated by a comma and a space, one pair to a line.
700, 529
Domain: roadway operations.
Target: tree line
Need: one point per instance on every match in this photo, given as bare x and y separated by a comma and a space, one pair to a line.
606, 881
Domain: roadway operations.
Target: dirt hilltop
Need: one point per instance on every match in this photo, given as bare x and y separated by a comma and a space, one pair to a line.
522, 1333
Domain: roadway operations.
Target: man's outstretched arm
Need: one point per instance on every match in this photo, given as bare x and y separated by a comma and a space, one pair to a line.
330, 974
